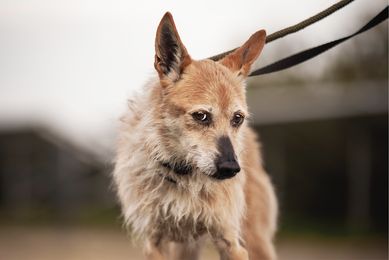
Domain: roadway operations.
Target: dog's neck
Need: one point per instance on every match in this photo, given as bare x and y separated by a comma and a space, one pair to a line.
168, 178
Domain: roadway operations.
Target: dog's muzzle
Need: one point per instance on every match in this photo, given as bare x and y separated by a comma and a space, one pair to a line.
226, 164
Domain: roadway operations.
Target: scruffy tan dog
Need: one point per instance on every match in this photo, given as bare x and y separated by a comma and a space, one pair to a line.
188, 166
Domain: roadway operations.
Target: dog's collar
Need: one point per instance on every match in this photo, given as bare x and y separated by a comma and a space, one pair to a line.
180, 168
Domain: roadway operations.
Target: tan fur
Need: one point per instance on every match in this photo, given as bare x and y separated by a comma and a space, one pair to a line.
239, 214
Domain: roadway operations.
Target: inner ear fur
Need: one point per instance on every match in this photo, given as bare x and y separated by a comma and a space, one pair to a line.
171, 56
242, 58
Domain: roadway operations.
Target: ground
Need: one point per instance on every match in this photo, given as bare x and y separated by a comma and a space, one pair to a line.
48, 243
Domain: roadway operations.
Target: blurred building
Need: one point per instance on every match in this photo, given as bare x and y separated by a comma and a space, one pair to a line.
326, 149
43, 174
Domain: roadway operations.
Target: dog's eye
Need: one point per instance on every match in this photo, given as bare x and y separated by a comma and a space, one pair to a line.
202, 117
237, 119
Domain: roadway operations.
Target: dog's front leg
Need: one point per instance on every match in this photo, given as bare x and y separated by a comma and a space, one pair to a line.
230, 248
154, 248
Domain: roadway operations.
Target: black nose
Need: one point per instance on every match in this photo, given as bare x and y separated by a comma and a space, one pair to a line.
226, 164
226, 169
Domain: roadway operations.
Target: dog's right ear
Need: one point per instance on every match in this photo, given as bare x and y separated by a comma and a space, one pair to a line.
171, 56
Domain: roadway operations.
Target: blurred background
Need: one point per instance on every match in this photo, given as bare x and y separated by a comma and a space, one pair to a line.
68, 67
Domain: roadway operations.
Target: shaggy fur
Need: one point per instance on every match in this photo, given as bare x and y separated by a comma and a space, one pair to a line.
172, 212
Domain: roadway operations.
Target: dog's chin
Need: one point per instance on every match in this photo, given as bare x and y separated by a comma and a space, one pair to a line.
222, 176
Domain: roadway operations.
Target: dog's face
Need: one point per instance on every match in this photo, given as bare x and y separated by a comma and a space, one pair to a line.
203, 105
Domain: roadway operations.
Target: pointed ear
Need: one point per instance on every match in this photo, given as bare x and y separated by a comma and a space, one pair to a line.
171, 56
242, 58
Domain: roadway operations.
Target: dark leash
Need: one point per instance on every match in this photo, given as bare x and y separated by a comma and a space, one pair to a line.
297, 27
312, 52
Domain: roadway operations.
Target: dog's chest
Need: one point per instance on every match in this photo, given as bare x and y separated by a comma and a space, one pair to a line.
181, 231
179, 215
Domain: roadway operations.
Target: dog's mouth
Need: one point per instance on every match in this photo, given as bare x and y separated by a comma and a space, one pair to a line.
223, 176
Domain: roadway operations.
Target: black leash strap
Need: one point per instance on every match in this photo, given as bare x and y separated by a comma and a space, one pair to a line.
310, 53
297, 27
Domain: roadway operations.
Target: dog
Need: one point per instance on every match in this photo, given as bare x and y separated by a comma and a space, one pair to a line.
188, 166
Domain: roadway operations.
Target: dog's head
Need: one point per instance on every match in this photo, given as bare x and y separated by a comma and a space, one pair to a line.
203, 104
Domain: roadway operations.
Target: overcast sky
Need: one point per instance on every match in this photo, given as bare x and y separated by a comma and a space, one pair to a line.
72, 64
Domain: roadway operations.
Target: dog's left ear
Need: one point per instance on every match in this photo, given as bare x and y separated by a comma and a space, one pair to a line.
242, 58
171, 56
